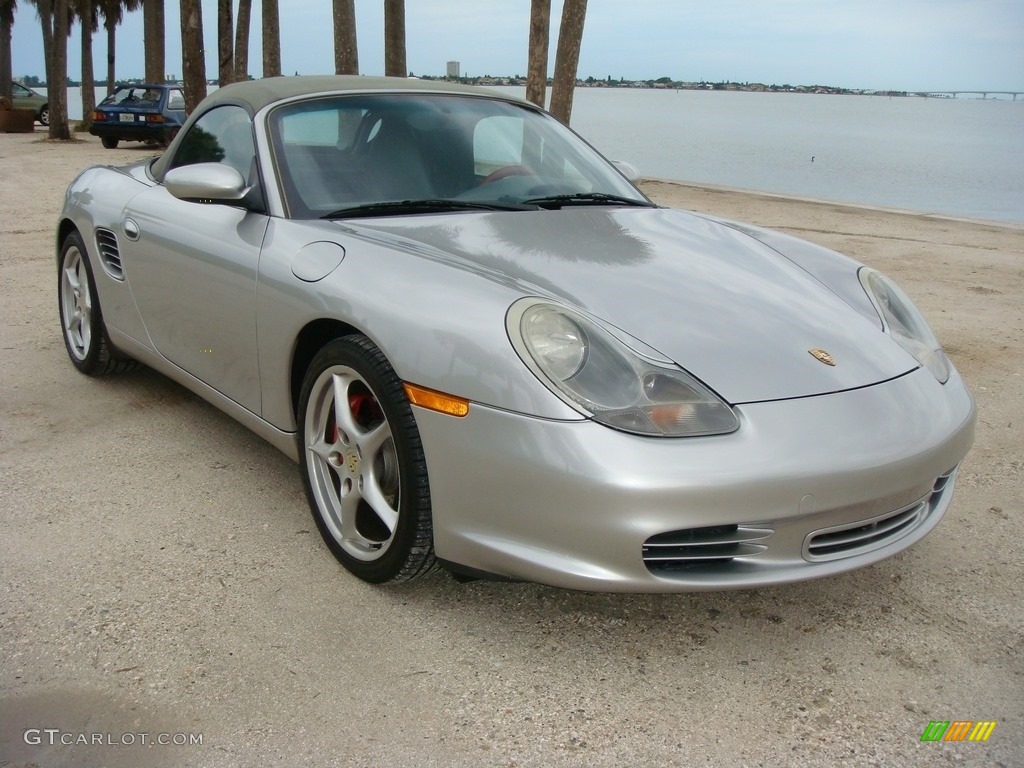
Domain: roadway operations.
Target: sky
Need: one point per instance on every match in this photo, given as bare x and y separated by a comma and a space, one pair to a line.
902, 45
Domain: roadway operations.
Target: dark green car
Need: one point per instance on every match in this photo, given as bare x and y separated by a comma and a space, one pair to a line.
26, 98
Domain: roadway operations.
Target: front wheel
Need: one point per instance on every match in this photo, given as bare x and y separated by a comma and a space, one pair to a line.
44, 114
109, 142
85, 336
362, 463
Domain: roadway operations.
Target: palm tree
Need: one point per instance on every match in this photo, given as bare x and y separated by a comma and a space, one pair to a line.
53, 17
394, 38
7, 8
88, 15
537, 63
242, 40
346, 51
567, 58
57, 77
153, 31
193, 62
271, 40
113, 14
225, 44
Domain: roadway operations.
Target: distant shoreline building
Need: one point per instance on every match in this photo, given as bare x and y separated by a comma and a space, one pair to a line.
454, 69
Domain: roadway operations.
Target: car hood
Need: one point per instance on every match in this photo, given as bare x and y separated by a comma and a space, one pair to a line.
722, 305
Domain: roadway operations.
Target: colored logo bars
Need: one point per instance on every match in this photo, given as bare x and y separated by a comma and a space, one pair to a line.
958, 730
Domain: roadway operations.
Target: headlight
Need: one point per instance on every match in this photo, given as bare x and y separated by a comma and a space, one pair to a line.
600, 376
902, 320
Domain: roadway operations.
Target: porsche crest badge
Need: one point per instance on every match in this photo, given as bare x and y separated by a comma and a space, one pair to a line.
823, 356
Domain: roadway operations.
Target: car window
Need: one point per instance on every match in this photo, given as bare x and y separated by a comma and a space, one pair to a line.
129, 95
222, 135
20, 90
175, 100
340, 152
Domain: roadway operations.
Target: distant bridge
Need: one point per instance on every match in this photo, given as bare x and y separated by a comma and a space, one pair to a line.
983, 94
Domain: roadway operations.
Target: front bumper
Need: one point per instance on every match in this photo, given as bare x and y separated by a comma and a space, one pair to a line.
805, 488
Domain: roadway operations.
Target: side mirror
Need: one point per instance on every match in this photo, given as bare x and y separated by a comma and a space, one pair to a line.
628, 170
206, 183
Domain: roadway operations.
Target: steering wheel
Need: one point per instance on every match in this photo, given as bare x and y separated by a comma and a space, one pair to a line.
506, 171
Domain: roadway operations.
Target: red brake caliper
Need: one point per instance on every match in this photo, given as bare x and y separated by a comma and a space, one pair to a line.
364, 411
357, 403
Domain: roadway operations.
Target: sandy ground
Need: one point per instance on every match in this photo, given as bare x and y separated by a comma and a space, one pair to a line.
162, 575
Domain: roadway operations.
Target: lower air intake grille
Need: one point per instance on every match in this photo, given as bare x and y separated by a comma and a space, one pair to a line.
703, 546
848, 541
866, 535
110, 256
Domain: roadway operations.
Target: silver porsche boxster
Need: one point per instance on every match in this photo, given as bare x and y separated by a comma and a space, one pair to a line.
488, 351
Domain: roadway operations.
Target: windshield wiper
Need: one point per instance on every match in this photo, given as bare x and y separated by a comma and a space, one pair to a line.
401, 207
586, 198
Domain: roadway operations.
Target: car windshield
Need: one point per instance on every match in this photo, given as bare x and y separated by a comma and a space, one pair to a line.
126, 96
365, 154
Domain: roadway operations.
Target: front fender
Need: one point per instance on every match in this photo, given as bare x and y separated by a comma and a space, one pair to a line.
440, 325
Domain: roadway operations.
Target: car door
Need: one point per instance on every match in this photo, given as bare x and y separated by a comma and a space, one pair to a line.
24, 98
192, 266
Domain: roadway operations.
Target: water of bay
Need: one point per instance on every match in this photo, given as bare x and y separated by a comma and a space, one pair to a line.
959, 157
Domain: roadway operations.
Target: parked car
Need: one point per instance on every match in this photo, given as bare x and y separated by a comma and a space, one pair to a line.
486, 349
150, 113
26, 98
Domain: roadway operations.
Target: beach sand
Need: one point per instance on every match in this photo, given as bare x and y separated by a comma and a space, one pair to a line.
162, 574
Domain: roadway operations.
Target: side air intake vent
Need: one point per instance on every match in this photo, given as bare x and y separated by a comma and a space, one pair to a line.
110, 256
867, 535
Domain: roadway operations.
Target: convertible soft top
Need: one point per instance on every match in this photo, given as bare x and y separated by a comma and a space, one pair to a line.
260, 93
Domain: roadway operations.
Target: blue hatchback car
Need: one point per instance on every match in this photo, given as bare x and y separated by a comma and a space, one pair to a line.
145, 112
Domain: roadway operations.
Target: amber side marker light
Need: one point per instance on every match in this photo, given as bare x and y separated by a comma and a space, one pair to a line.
437, 401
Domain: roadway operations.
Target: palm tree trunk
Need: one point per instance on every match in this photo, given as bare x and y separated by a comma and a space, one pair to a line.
153, 24
394, 39
44, 8
346, 51
537, 63
111, 25
567, 58
88, 16
57, 72
225, 43
53, 20
242, 40
193, 63
6, 23
271, 40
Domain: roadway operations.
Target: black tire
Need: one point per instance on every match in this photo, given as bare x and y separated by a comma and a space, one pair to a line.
44, 114
81, 320
362, 464
109, 142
